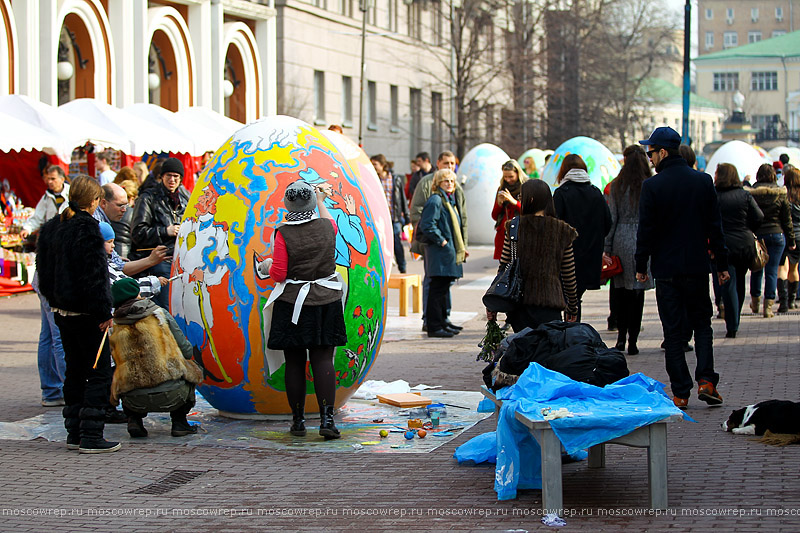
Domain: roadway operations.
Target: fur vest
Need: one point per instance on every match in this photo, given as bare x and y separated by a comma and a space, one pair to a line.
542, 243
147, 355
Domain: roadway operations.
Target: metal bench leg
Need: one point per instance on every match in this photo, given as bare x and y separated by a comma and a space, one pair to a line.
597, 456
657, 466
552, 500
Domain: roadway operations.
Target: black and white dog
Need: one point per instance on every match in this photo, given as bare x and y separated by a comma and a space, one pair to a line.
777, 416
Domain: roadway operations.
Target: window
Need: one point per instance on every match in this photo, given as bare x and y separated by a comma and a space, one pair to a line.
439, 36
415, 111
391, 14
709, 39
345, 7
754, 14
414, 19
753, 36
394, 104
372, 105
729, 14
347, 101
726, 81
436, 122
764, 81
709, 14
778, 33
490, 124
321, 3
779, 14
319, 97
730, 39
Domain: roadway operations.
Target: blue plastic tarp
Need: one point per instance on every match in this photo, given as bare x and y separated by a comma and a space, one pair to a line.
599, 414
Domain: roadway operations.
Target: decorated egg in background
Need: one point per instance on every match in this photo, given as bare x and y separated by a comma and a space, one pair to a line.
601, 164
743, 156
479, 175
792, 151
538, 158
219, 299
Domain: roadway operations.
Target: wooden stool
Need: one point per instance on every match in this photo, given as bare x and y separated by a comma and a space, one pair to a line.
403, 282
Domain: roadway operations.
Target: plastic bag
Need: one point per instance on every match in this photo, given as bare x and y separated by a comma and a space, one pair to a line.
480, 449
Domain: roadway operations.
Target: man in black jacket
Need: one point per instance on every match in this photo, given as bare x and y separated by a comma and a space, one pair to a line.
679, 221
156, 220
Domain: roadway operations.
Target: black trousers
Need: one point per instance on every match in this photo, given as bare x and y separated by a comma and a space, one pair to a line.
438, 296
83, 385
685, 302
630, 307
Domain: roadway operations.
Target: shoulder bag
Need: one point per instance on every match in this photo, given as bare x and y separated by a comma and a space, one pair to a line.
611, 268
760, 257
505, 292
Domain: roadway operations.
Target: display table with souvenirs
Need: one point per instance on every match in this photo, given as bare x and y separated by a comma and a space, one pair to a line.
17, 264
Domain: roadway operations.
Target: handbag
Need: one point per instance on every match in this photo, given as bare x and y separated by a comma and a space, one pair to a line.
611, 268
760, 257
505, 292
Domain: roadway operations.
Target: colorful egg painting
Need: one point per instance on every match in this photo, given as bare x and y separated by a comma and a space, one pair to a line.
218, 299
479, 174
601, 164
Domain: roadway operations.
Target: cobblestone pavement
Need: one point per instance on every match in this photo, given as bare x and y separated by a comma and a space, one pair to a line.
716, 480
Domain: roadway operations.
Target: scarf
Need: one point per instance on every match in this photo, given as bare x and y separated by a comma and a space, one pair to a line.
513, 189
578, 175
292, 216
458, 239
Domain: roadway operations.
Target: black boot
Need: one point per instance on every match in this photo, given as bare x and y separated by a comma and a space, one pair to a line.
793, 294
622, 332
180, 426
783, 296
632, 348
92, 423
72, 422
136, 427
298, 428
327, 428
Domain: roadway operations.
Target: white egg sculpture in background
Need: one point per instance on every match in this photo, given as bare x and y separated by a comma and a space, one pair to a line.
743, 156
538, 159
479, 175
792, 151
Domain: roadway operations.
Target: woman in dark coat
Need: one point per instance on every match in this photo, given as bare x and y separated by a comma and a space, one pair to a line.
71, 261
581, 205
623, 202
443, 230
546, 263
787, 273
775, 231
306, 327
741, 216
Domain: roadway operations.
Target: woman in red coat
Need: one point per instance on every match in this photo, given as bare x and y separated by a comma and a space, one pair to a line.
506, 205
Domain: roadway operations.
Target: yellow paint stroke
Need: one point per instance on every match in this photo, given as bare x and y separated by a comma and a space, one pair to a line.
198, 291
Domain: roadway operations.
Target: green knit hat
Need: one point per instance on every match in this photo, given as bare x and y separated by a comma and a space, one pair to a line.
124, 290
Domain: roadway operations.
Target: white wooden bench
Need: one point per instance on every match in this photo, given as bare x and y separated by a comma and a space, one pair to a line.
652, 436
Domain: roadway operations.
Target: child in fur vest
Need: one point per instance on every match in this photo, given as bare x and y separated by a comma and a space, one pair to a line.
154, 372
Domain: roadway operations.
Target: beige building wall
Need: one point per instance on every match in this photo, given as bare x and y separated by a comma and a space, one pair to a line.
752, 21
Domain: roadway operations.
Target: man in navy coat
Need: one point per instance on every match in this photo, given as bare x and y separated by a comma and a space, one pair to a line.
679, 222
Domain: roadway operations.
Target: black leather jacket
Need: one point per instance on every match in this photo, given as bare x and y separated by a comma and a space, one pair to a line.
152, 214
741, 216
399, 205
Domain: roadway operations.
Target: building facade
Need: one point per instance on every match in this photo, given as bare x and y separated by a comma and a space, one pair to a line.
213, 53
724, 24
767, 74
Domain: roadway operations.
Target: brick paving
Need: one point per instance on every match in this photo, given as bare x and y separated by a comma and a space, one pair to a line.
716, 480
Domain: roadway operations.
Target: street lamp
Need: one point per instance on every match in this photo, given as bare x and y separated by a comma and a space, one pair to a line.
364, 6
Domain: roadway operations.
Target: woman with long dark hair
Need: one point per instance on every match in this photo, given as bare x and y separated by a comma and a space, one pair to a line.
581, 205
547, 266
71, 261
507, 201
775, 231
623, 202
787, 272
741, 216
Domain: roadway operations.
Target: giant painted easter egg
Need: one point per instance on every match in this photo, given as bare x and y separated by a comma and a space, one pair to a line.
743, 156
219, 300
479, 174
600, 162
792, 151
538, 158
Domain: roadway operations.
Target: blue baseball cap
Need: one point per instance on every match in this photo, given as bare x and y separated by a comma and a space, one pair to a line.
665, 137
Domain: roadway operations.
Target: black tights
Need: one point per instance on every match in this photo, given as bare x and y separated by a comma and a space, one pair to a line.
630, 306
321, 358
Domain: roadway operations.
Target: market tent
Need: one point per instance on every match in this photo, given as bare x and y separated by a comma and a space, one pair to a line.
203, 137
17, 135
144, 136
209, 118
72, 131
